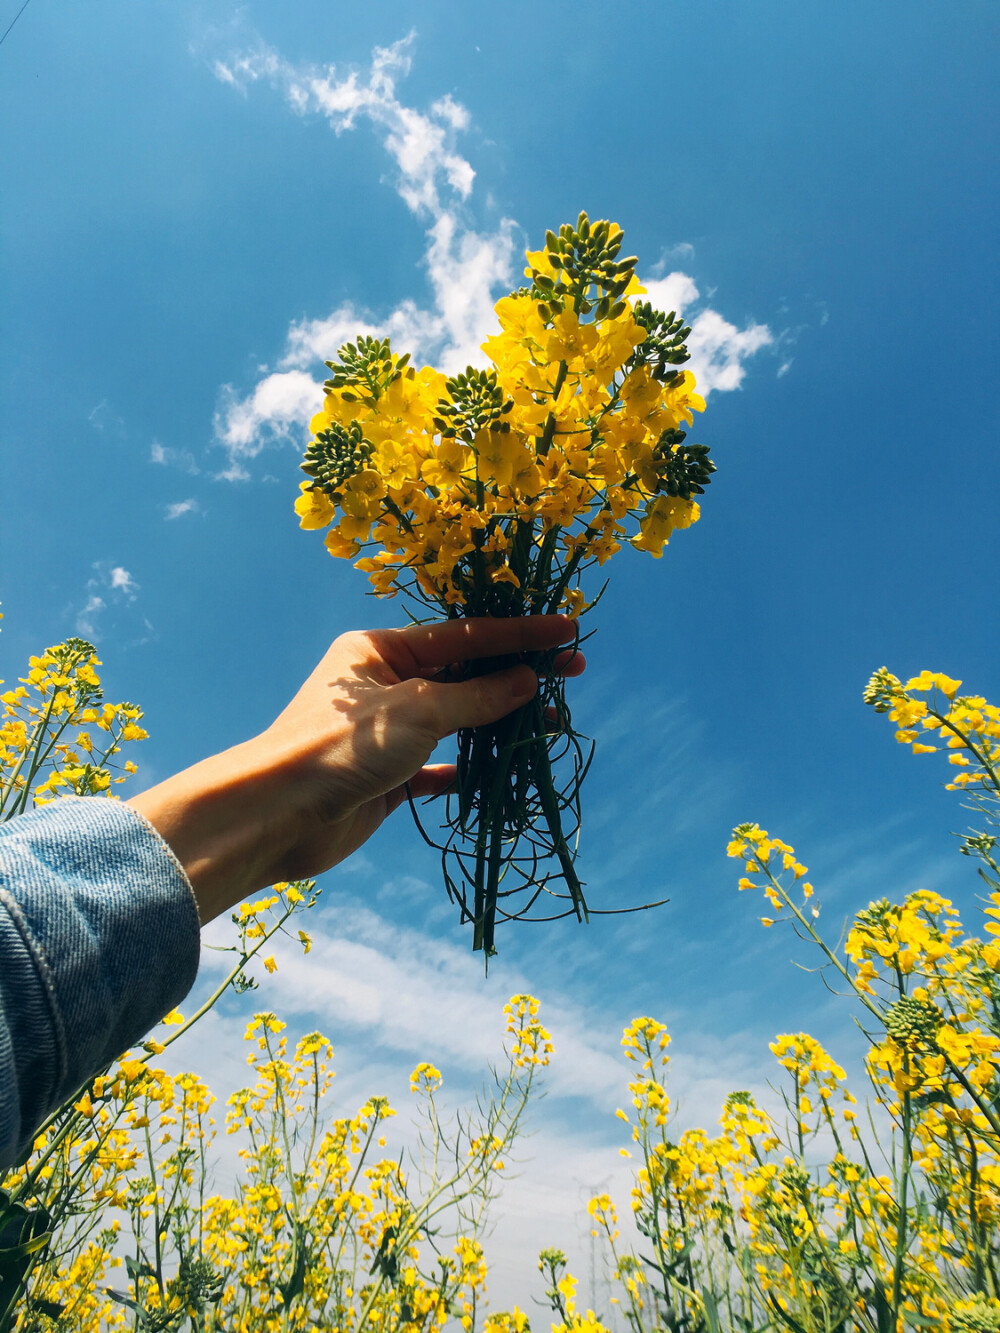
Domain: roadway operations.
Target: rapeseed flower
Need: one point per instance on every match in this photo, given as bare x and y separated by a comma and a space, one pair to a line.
491, 493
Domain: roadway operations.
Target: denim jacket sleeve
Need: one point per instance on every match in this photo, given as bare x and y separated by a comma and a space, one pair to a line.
98, 940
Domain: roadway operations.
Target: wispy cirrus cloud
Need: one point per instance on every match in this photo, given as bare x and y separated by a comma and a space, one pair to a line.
466, 268
105, 419
110, 593
182, 459
180, 508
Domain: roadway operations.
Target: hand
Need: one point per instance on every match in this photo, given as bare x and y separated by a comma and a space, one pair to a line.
317, 783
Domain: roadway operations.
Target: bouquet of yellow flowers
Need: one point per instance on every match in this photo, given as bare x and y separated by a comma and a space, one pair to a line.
491, 493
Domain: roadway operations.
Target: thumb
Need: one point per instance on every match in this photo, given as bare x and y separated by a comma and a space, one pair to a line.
476, 702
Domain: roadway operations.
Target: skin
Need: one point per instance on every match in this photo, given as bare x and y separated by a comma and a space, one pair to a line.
316, 784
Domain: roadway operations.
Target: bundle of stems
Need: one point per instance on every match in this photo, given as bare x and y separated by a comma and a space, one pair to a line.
491, 493
511, 830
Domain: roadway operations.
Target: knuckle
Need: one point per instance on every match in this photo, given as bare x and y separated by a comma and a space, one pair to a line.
357, 642
422, 704
483, 693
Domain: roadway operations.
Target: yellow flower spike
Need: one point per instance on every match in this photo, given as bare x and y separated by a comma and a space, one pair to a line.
425, 1078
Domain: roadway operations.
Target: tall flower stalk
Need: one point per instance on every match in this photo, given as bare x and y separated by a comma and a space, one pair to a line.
807, 1219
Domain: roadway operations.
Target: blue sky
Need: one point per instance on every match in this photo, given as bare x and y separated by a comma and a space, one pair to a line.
201, 200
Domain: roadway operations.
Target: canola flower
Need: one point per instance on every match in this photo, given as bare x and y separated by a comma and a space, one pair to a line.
91, 1157
60, 737
891, 1229
806, 1219
815, 1215
324, 1229
58, 734
490, 493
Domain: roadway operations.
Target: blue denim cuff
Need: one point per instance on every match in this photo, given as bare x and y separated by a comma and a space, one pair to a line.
99, 938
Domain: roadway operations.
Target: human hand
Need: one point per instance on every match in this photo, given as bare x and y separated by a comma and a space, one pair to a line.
317, 783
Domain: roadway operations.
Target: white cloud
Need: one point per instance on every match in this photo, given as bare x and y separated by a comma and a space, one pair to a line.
422, 145
423, 999
180, 508
121, 580
718, 348
110, 590
676, 292
456, 115
394, 988
682, 252
103, 418
390, 995
86, 619
281, 403
466, 269
179, 458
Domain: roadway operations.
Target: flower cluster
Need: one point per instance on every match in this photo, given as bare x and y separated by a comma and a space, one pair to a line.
895, 1231
762, 854
793, 1215
488, 490
489, 493
58, 1241
530, 1043
324, 1231
58, 735
930, 715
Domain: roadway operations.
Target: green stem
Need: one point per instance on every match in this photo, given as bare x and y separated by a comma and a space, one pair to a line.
549, 430
492, 887
901, 1218
542, 774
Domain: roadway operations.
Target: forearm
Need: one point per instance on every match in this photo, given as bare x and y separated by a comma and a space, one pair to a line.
227, 820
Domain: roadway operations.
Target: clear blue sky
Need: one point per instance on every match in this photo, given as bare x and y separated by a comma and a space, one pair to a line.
180, 235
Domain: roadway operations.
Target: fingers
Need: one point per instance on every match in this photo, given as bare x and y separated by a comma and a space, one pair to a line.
571, 662
441, 709
432, 780
419, 647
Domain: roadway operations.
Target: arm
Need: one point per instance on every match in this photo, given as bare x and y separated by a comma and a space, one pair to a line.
317, 783
98, 939
98, 923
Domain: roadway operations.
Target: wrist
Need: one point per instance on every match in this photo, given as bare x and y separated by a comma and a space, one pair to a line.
226, 822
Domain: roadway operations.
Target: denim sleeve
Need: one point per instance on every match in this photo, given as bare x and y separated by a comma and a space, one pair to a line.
99, 938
